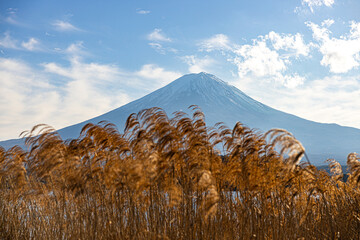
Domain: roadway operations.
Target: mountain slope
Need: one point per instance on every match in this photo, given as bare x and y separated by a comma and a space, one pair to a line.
222, 102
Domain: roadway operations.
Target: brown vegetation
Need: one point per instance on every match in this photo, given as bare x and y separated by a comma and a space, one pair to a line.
173, 179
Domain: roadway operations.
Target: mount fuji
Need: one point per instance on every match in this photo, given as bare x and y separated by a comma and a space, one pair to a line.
222, 102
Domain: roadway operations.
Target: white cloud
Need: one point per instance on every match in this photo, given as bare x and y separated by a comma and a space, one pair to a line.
332, 99
158, 36
317, 3
76, 49
217, 42
259, 60
158, 47
355, 30
197, 64
12, 18
32, 44
8, 42
142, 11
161, 49
64, 26
327, 23
158, 39
12, 10
266, 59
289, 42
90, 72
291, 81
339, 54
61, 95
87, 87
152, 71
23, 96
57, 95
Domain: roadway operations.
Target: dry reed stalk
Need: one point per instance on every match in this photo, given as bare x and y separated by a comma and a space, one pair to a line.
172, 178
288, 144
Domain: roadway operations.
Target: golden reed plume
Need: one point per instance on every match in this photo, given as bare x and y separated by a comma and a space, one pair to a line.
173, 178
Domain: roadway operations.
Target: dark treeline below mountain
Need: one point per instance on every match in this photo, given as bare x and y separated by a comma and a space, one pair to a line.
173, 178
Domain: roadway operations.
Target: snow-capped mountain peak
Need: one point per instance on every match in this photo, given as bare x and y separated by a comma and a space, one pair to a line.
222, 102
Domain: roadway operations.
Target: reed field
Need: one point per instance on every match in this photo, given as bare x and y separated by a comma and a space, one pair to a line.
173, 178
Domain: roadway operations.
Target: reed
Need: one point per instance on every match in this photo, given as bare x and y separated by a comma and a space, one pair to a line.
173, 178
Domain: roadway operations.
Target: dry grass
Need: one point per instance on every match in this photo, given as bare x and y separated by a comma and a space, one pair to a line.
173, 179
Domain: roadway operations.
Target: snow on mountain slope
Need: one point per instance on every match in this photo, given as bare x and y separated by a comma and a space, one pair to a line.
222, 102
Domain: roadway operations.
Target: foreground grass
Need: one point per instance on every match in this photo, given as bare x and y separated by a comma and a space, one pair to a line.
166, 179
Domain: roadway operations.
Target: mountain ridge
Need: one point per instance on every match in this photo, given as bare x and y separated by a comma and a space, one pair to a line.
222, 102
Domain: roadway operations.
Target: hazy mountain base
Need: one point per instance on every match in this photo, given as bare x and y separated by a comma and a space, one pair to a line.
164, 179
222, 102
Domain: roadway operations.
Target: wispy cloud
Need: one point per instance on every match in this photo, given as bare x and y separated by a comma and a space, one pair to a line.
8, 42
158, 36
64, 94
307, 5
31, 45
56, 94
24, 94
197, 64
12, 18
76, 49
317, 3
329, 99
161, 49
158, 39
11, 10
152, 71
339, 54
64, 26
217, 42
142, 11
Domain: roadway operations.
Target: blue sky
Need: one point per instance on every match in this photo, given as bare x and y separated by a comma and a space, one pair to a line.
63, 62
